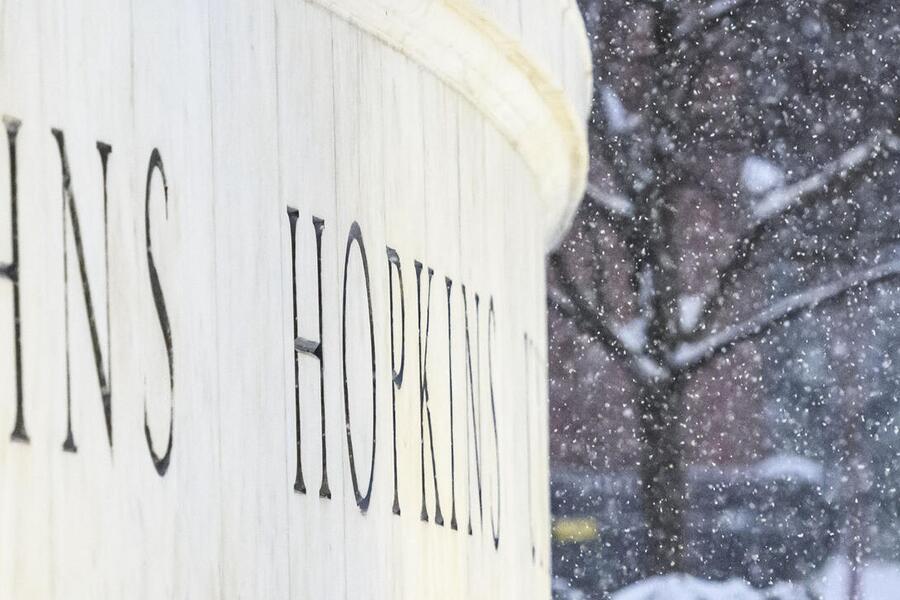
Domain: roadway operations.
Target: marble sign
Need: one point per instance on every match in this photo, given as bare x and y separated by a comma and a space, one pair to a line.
272, 304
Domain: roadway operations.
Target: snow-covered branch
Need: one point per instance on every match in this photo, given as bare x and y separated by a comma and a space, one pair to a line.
692, 354
778, 202
614, 205
708, 16
618, 119
593, 324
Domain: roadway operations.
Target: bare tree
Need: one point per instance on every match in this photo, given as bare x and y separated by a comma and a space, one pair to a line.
672, 104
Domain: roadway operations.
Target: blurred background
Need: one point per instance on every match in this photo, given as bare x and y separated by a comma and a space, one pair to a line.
725, 312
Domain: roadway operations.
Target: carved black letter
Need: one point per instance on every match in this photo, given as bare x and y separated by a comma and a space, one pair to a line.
293, 214
161, 464
453, 524
473, 384
103, 379
356, 236
11, 271
396, 374
495, 525
423, 397
310, 347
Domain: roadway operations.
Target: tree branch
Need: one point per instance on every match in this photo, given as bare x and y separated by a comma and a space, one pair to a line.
572, 304
708, 17
571, 301
690, 355
612, 157
778, 203
614, 206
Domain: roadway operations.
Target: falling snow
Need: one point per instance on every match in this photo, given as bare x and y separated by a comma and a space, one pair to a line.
725, 313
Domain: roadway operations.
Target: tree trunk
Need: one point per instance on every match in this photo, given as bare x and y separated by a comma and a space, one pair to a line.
855, 527
662, 477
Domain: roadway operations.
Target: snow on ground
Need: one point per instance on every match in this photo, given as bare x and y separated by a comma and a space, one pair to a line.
686, 587
880, 581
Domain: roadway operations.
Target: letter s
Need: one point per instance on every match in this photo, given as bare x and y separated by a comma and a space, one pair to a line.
161, 464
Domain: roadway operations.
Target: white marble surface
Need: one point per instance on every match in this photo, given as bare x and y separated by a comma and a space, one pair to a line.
254, 108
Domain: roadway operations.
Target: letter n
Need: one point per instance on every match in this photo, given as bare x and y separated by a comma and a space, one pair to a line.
70, 220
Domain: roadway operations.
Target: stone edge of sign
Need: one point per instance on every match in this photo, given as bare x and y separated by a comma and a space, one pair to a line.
468, 51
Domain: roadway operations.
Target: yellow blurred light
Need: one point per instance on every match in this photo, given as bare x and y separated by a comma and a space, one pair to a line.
578, 529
